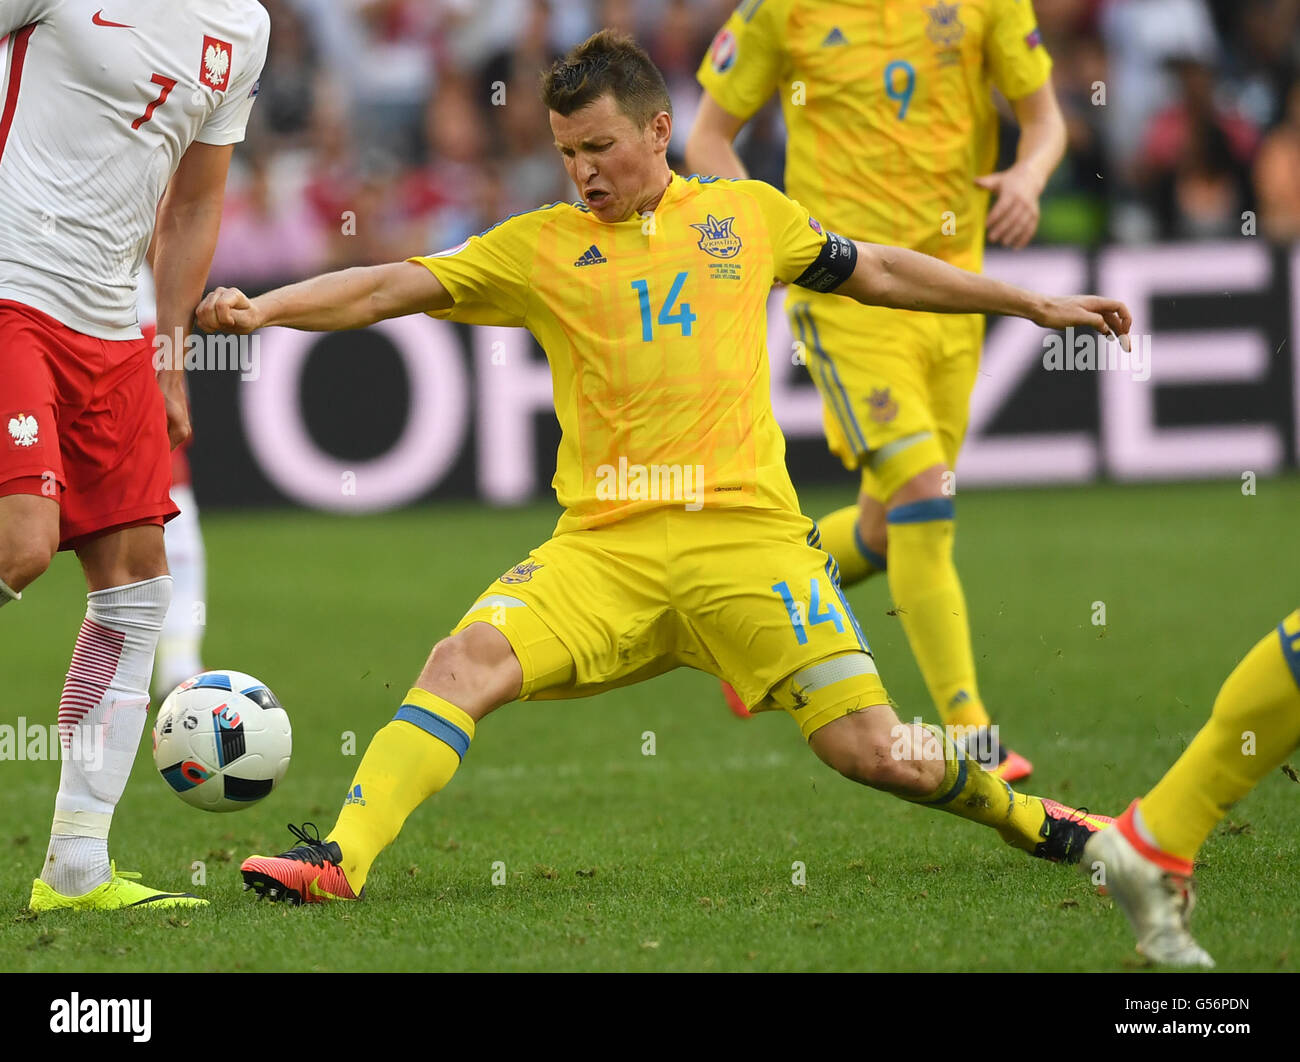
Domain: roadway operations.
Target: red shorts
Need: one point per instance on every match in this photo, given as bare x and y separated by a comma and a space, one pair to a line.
84, 420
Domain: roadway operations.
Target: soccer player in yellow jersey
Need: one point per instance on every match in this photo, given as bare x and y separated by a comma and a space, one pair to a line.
681, 542
892, 137
1145, 862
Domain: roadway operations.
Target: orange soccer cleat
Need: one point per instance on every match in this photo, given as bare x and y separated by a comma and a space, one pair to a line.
307, 873
1014, 767
984, 746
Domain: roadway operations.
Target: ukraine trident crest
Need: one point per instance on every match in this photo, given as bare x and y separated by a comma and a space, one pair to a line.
717, 239
945, 27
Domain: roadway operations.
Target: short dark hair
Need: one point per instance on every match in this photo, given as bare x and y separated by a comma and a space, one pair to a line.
607, 62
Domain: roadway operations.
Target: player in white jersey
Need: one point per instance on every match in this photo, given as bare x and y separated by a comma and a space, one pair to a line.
117, 124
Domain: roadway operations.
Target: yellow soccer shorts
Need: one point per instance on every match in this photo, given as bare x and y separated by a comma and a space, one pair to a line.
747, 595
895, 384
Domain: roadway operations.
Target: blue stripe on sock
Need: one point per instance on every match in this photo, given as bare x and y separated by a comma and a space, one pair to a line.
868, 554
1290, 650
435, 725
957, 786
922, 511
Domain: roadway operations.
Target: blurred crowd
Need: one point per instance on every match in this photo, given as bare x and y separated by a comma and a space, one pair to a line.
387, 128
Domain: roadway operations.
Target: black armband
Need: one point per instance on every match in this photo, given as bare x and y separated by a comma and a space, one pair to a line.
833, 266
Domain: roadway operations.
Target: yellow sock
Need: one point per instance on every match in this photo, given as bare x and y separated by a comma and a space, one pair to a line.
932, 607
841, 539
1254, 727
408, 761
970, 792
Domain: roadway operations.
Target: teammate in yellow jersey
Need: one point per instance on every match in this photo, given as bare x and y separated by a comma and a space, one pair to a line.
1145, 862
681, 542
892, 137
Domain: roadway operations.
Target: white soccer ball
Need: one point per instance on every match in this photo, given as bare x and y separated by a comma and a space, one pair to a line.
222, 741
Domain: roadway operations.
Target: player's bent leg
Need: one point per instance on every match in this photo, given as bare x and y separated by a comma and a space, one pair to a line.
1253, 727
102, 713
918, 763
414, 756
931, 604
482, 666
844, 713
113, 468
1146, 861
29, 538
928, 594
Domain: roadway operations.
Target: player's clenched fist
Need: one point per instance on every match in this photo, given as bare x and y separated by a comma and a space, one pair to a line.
228, 310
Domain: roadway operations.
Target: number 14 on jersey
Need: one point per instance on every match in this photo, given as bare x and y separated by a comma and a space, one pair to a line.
682, 316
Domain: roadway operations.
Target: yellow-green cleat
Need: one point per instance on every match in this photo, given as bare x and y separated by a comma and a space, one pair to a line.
121, 890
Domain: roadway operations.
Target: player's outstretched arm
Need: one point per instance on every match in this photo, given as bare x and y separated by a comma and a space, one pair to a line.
909, 280
334, 302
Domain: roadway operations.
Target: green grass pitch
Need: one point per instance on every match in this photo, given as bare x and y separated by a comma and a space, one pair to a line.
615, 860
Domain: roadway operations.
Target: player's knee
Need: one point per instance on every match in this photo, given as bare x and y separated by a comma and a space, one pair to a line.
120, 558
863, 748
475, 669
24, 558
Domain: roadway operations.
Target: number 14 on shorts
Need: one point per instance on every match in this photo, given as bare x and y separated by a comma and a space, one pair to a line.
816, 613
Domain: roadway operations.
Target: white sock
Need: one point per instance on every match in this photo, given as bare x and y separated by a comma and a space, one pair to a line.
7, 595
102, 714
182, 634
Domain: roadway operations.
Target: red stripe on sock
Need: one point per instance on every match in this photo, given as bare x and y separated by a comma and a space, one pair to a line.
1158, 856
94, 663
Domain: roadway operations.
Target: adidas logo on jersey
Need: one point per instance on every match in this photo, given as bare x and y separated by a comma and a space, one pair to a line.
354, 797
836, 36
591, 256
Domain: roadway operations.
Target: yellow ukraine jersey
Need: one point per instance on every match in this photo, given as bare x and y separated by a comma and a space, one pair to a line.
656, 333
887, 106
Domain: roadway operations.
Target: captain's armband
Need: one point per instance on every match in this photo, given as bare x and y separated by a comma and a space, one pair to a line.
833, 266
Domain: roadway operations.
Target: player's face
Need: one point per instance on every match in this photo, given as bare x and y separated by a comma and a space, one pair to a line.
619, 169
